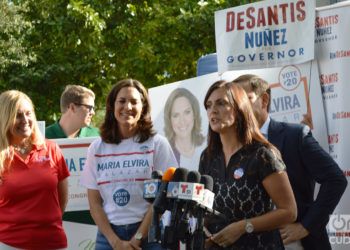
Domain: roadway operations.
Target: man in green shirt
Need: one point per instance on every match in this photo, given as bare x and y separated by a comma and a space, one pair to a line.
77, 108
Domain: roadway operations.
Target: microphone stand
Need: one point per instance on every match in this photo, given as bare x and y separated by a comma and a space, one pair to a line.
154, 229
199, 236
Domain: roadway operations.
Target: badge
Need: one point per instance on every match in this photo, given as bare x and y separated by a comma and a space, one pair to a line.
121, 197
239, 172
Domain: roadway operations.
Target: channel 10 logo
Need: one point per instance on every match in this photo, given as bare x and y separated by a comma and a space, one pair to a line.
150, 188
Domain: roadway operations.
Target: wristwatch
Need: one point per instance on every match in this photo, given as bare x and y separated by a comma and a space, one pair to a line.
249, 228
138, 236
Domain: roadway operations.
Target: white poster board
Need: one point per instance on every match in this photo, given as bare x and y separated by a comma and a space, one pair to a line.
332, 50
288, 103
80, 236
74, 152
265, 34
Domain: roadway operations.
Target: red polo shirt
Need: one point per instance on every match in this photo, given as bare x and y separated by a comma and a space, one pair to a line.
30, 214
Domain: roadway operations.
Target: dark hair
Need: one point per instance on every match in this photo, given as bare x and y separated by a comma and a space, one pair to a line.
256, 84
246, 126
110, 130
196, 135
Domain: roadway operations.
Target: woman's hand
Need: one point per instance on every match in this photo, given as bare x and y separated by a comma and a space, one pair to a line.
123, 244
135, 243
293, 232
229, 234
208, 243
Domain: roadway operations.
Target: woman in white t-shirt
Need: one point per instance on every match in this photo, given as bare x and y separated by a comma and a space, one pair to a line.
118, 163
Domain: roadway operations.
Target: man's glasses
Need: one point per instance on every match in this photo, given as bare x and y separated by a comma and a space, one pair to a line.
89, 107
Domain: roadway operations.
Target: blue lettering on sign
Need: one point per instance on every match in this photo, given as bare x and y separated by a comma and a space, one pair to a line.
72, 164
324, 31
121, 197
327, 89
265, 38
284, 103
265, 56
82, 163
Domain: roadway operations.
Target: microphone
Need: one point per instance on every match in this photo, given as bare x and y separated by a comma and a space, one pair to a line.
159, 204
157, 174
207, 181
191, 189
206, 203
208, 195
151, 187
169, 237
180, 175
192, 192
160, 199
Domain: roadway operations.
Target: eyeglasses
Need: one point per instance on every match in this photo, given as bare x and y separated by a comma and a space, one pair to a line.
89, 107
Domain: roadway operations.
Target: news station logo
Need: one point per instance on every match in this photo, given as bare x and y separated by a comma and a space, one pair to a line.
191, 191
339, 229
150, 188
339, 223
173, 190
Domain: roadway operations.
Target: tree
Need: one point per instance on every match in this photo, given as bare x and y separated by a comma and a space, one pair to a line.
95, 43
13, 29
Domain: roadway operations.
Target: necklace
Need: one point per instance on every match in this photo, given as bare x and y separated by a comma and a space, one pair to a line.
22, 149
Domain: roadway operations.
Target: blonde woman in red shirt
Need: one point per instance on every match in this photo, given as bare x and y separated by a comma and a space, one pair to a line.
33, 180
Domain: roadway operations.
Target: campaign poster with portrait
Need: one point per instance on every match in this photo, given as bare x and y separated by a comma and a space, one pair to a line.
177, 112
295, 92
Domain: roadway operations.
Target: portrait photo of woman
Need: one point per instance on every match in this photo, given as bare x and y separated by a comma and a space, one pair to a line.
182, 127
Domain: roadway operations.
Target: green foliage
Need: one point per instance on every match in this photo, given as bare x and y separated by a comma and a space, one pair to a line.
96, 43
13, 31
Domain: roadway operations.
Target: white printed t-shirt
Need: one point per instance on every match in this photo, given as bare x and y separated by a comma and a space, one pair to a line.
118, 172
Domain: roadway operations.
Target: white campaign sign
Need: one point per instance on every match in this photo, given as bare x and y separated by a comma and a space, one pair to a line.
265, 34
74, 152
332, 50
295, 91
80, 236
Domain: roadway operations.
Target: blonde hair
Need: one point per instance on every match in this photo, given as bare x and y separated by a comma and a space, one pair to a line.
10, 101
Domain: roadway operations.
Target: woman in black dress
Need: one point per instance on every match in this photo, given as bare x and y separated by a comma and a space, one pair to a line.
251, 186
